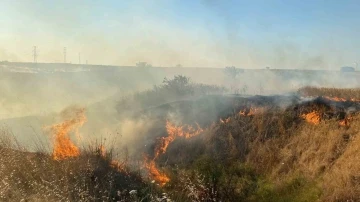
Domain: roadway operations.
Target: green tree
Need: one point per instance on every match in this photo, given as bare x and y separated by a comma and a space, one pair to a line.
179, 84
232, 72
143, 64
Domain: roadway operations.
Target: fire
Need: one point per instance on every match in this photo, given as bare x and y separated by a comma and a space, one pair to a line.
183, 131
252, 111
242, 113
173, 132
163, 143
155, 174
345, 122
102, 151
312, 117
339, 99
227, 120
63, 146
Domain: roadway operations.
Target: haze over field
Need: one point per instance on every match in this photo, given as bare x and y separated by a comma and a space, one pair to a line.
248, 34
184, 36
204, 100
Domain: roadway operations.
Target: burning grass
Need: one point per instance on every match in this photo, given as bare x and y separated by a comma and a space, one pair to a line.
154, 172
63, 146
275, 154
28, 176
162, 144
335, 94
312, 117
68, 173
305, 151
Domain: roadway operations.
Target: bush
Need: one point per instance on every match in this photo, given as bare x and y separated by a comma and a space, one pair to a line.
178, 88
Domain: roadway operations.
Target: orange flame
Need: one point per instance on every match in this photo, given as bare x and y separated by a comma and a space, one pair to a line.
339, 99
345, 122
173, 131
242, 113
63, 146
252, 111
312, 117
102, 151
183, 131
154, 173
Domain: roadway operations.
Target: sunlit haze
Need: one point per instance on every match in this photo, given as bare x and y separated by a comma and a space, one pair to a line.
306, 34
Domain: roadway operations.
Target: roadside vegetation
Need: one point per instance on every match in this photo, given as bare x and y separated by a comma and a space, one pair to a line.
178, 88
302, 152
346, 93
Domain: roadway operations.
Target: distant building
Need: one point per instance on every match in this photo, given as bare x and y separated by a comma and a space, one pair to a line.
347, 69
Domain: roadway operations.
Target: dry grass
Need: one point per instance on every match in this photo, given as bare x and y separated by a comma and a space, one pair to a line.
288, 158
270, 155
29, 176
346, 93
326, 154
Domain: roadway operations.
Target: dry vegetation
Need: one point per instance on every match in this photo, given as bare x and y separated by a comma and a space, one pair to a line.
28, 176
262, 152
274, 156
346, 93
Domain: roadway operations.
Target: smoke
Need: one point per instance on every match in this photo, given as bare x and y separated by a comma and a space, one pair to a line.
143, 31
131, 32
6, 56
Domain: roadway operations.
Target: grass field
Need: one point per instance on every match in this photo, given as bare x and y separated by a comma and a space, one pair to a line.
306, 150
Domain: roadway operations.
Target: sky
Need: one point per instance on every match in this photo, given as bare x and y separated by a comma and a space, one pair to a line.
303, 34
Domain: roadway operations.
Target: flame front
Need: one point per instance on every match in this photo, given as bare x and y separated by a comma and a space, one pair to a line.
345, 122
63, 146
312, 117
155, 174
340, 99
337, 99
251, 111
173, 132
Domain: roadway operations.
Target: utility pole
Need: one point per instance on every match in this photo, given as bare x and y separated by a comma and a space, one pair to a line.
35, 54
79, 59
64, 54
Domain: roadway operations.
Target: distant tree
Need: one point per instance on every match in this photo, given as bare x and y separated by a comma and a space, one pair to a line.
233, 72
178, 80
267, 67
179, 84
143, 64
178, 65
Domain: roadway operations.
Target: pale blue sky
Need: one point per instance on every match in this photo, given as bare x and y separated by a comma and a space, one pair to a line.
249, 34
